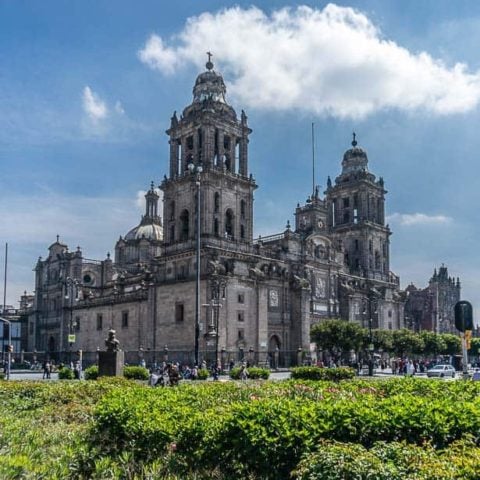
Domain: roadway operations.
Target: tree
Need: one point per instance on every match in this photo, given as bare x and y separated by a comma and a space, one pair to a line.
383, 340
475, 346
406, 341
333, 335
434, 344
453, 344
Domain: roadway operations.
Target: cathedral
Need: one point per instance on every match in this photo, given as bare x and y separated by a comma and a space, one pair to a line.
195, 280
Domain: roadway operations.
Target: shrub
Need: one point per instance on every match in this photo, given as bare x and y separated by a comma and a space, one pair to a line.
318, 373
253, 373
136, 373
2, 376
91, 373
202, 374
65, 374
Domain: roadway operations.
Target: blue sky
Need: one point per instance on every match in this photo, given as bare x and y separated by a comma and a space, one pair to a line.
87, 89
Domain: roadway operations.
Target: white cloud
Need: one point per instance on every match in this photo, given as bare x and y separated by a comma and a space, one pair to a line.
93, 105
119, 108
409, 219
333, 61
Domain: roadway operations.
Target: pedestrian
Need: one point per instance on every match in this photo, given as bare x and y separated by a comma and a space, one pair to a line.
243, 372
46, 369
476, 374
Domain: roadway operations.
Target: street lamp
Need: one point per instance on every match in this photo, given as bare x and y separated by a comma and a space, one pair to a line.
196, 170
71, 293
218, 286
9, 347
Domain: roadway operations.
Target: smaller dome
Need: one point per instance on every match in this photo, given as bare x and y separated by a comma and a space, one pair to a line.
354, 159
149, 231
209, 85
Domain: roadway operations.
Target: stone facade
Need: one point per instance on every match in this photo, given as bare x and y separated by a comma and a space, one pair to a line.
432, 308
259, 295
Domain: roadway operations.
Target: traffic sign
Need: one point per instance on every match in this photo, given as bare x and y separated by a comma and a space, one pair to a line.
71, 338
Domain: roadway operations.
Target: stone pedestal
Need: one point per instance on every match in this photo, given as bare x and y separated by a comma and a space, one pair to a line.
110, 364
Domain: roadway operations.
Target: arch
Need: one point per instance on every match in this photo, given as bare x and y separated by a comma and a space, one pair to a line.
274, 347
184, 225
229, 218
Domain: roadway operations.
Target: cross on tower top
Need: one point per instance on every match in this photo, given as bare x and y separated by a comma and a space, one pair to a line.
209, 64
354, 142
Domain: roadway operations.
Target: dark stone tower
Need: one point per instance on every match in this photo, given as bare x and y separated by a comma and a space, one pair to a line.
356, 216
208, 137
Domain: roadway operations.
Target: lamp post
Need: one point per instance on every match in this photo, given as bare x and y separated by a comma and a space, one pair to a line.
9, 347
71, 292
196, 171
218, 286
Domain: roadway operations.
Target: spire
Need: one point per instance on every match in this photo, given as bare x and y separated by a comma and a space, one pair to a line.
209, 64
354, 141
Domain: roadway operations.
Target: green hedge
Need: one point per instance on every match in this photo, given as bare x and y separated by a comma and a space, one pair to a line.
202, 374
65, 374
136, 373
253, 373
390, 461
263, 430
91, 373
318, 373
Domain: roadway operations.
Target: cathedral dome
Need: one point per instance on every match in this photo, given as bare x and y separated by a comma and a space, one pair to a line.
150, 231
209, 86
354, 159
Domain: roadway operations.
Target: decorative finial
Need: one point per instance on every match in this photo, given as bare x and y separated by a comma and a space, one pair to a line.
354, 141
152, 186
108, 255
288, 225
209, 64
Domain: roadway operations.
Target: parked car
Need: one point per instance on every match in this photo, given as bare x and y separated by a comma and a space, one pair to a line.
441, 371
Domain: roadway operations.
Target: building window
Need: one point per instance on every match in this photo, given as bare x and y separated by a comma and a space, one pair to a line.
77, 324
370, 246
124, 319
242, 208
229, 223
241, 298
215, 227
241, 333
190, 143
216, 202
241, 316
99, 321
179, 312
346, 202
172, 210
242, 232
184, 225
346, 217
172, 233
389, 314
356, 245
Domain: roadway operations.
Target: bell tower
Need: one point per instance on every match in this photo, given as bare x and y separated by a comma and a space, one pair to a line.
208, 150
356, 216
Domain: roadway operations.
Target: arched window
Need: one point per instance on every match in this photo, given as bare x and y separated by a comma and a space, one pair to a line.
184, 225
172, 210
242, 232
242, 208
229, 223
216, 202
172, 233
215, 227
377, 260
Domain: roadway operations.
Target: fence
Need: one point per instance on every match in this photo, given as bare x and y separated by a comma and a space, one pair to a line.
150, 358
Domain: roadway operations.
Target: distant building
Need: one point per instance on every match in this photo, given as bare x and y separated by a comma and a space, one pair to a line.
432, 308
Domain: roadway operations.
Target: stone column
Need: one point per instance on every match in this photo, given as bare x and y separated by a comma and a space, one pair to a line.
243, 160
